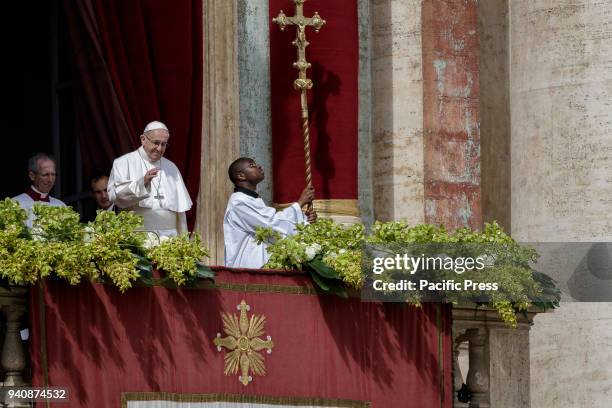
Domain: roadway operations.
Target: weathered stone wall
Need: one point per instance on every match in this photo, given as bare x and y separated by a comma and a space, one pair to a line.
509, 367
397, 110
451, 113
560, 102
561, 91
494, 111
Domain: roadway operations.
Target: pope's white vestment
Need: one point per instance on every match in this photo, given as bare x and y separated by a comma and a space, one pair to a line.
163, 204
244, 213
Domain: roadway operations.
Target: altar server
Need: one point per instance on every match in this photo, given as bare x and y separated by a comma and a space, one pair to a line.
246, 211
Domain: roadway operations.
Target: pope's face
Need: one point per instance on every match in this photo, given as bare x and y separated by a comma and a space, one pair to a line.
44, 178
155, 142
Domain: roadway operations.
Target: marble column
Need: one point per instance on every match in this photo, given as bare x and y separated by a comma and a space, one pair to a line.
451, 113
221, 123
561, 115
366, 199
494, 111
397, 110
254, 69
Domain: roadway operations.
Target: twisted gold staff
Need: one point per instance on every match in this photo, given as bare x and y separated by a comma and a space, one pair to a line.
302, 83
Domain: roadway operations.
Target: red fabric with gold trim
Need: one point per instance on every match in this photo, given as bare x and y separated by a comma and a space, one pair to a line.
333, 102
101, 343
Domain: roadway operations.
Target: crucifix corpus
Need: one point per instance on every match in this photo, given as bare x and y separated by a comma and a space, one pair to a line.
302, 83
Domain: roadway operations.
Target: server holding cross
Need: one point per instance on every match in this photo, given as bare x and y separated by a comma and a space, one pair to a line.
302, 83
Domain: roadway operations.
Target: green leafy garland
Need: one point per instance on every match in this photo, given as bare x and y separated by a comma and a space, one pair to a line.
329, 251
111, 248
332, 254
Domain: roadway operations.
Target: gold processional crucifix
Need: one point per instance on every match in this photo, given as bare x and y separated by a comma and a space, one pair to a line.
302, 83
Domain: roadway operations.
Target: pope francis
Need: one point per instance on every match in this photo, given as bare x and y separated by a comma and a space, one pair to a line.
150, 185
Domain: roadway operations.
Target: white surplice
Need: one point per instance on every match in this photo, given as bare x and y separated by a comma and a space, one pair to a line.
26, 202
163, 204
244, 213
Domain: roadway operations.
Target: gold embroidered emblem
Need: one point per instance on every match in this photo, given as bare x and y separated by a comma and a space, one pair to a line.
244, 344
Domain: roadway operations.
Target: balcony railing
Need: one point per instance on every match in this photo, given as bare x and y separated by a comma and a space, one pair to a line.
490, 358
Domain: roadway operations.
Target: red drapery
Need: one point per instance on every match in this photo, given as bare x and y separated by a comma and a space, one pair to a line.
334, 54
100, 343
138, 61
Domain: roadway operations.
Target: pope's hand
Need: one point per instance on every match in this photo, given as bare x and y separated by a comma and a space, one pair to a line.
149, 175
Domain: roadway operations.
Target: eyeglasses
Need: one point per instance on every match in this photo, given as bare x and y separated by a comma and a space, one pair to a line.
157, 143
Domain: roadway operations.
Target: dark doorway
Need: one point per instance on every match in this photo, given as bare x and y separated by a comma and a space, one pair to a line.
39, 112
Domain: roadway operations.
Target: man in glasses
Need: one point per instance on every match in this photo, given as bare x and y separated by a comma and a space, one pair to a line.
150, 185
246, 211
41, 171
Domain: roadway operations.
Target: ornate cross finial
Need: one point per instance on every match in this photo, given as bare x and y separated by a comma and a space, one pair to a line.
299, 20
302, 83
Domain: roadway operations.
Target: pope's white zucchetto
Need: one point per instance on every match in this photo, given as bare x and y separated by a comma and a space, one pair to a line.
155, 125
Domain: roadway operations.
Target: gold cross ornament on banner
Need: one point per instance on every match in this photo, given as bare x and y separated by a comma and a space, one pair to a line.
302, 83
243, 343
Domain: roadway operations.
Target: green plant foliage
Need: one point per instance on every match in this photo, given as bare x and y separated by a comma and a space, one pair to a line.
12, 216
340, 248
112, 240
401, 232
338, 245
349, 263
266, 234
57, 224
111, 248
22, 261
179, 257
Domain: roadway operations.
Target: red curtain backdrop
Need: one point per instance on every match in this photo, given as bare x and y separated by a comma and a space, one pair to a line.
333, 102
138, 61
101, 343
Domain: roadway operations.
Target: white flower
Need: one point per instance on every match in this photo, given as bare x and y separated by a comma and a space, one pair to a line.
37, 234
151, 240
331, 255
88, 235
312, 251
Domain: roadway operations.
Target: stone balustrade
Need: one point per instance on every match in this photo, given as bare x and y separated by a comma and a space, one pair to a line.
13, 361
496, 367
